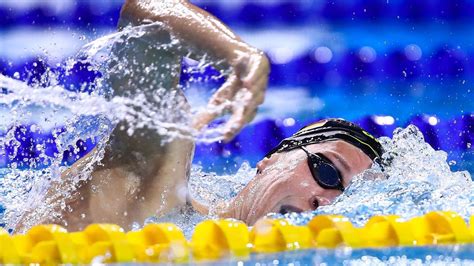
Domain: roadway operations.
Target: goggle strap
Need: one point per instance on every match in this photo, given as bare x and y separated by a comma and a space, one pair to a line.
340, 186
305, 150
292, 143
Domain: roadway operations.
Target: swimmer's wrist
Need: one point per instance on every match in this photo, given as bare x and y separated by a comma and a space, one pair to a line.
245, 61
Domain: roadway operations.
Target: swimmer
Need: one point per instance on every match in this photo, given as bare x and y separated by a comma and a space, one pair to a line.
139, 178
305, 171
143, 174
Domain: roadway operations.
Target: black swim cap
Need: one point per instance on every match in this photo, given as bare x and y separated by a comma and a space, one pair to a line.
332, 129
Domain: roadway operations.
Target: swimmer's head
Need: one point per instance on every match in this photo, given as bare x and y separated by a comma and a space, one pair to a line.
307, 170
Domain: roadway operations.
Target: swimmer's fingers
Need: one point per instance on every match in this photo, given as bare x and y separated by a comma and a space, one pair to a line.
226, 92
204, 117
243, 111
245, 105
235, 123
256, 79
240, 94
258, 89
256, 82
219, 103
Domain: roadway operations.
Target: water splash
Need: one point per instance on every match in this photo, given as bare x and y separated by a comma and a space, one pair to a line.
131, 85
210, 188
414, 180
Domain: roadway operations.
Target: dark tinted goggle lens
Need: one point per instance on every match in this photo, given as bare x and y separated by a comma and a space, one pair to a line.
324, 172
328, 175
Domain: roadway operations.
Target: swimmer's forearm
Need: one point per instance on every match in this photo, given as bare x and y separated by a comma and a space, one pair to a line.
199, 30
204, 35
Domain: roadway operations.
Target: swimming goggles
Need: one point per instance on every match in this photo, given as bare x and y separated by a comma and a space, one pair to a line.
323, 171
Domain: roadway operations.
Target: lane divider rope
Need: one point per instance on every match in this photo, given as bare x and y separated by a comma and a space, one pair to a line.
215, 239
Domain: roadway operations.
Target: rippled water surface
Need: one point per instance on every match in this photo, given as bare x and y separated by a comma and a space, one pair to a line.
444, 255
47, 120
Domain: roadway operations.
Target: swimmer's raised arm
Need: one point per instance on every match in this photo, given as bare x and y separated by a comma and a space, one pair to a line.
203, 34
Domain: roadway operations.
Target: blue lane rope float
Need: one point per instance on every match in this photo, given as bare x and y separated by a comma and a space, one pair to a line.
253, 140
216, 239
252, 13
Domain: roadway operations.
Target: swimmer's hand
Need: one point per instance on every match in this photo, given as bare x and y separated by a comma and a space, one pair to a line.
241, 94
204, 35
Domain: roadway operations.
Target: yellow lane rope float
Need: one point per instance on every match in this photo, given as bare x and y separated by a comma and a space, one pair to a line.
215, 239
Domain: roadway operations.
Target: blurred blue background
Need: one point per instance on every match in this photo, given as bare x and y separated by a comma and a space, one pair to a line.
381, 64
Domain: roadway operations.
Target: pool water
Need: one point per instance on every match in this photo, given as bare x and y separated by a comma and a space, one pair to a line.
435, 255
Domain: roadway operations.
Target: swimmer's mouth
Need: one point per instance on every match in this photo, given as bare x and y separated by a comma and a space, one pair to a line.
284, 209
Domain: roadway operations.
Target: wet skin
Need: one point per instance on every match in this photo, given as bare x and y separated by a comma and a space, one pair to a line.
284, 182
139, 175
139, 178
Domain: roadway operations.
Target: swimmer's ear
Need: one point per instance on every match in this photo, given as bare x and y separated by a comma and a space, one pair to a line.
199, 207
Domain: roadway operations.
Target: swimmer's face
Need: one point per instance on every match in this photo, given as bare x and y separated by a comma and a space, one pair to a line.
284, 182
